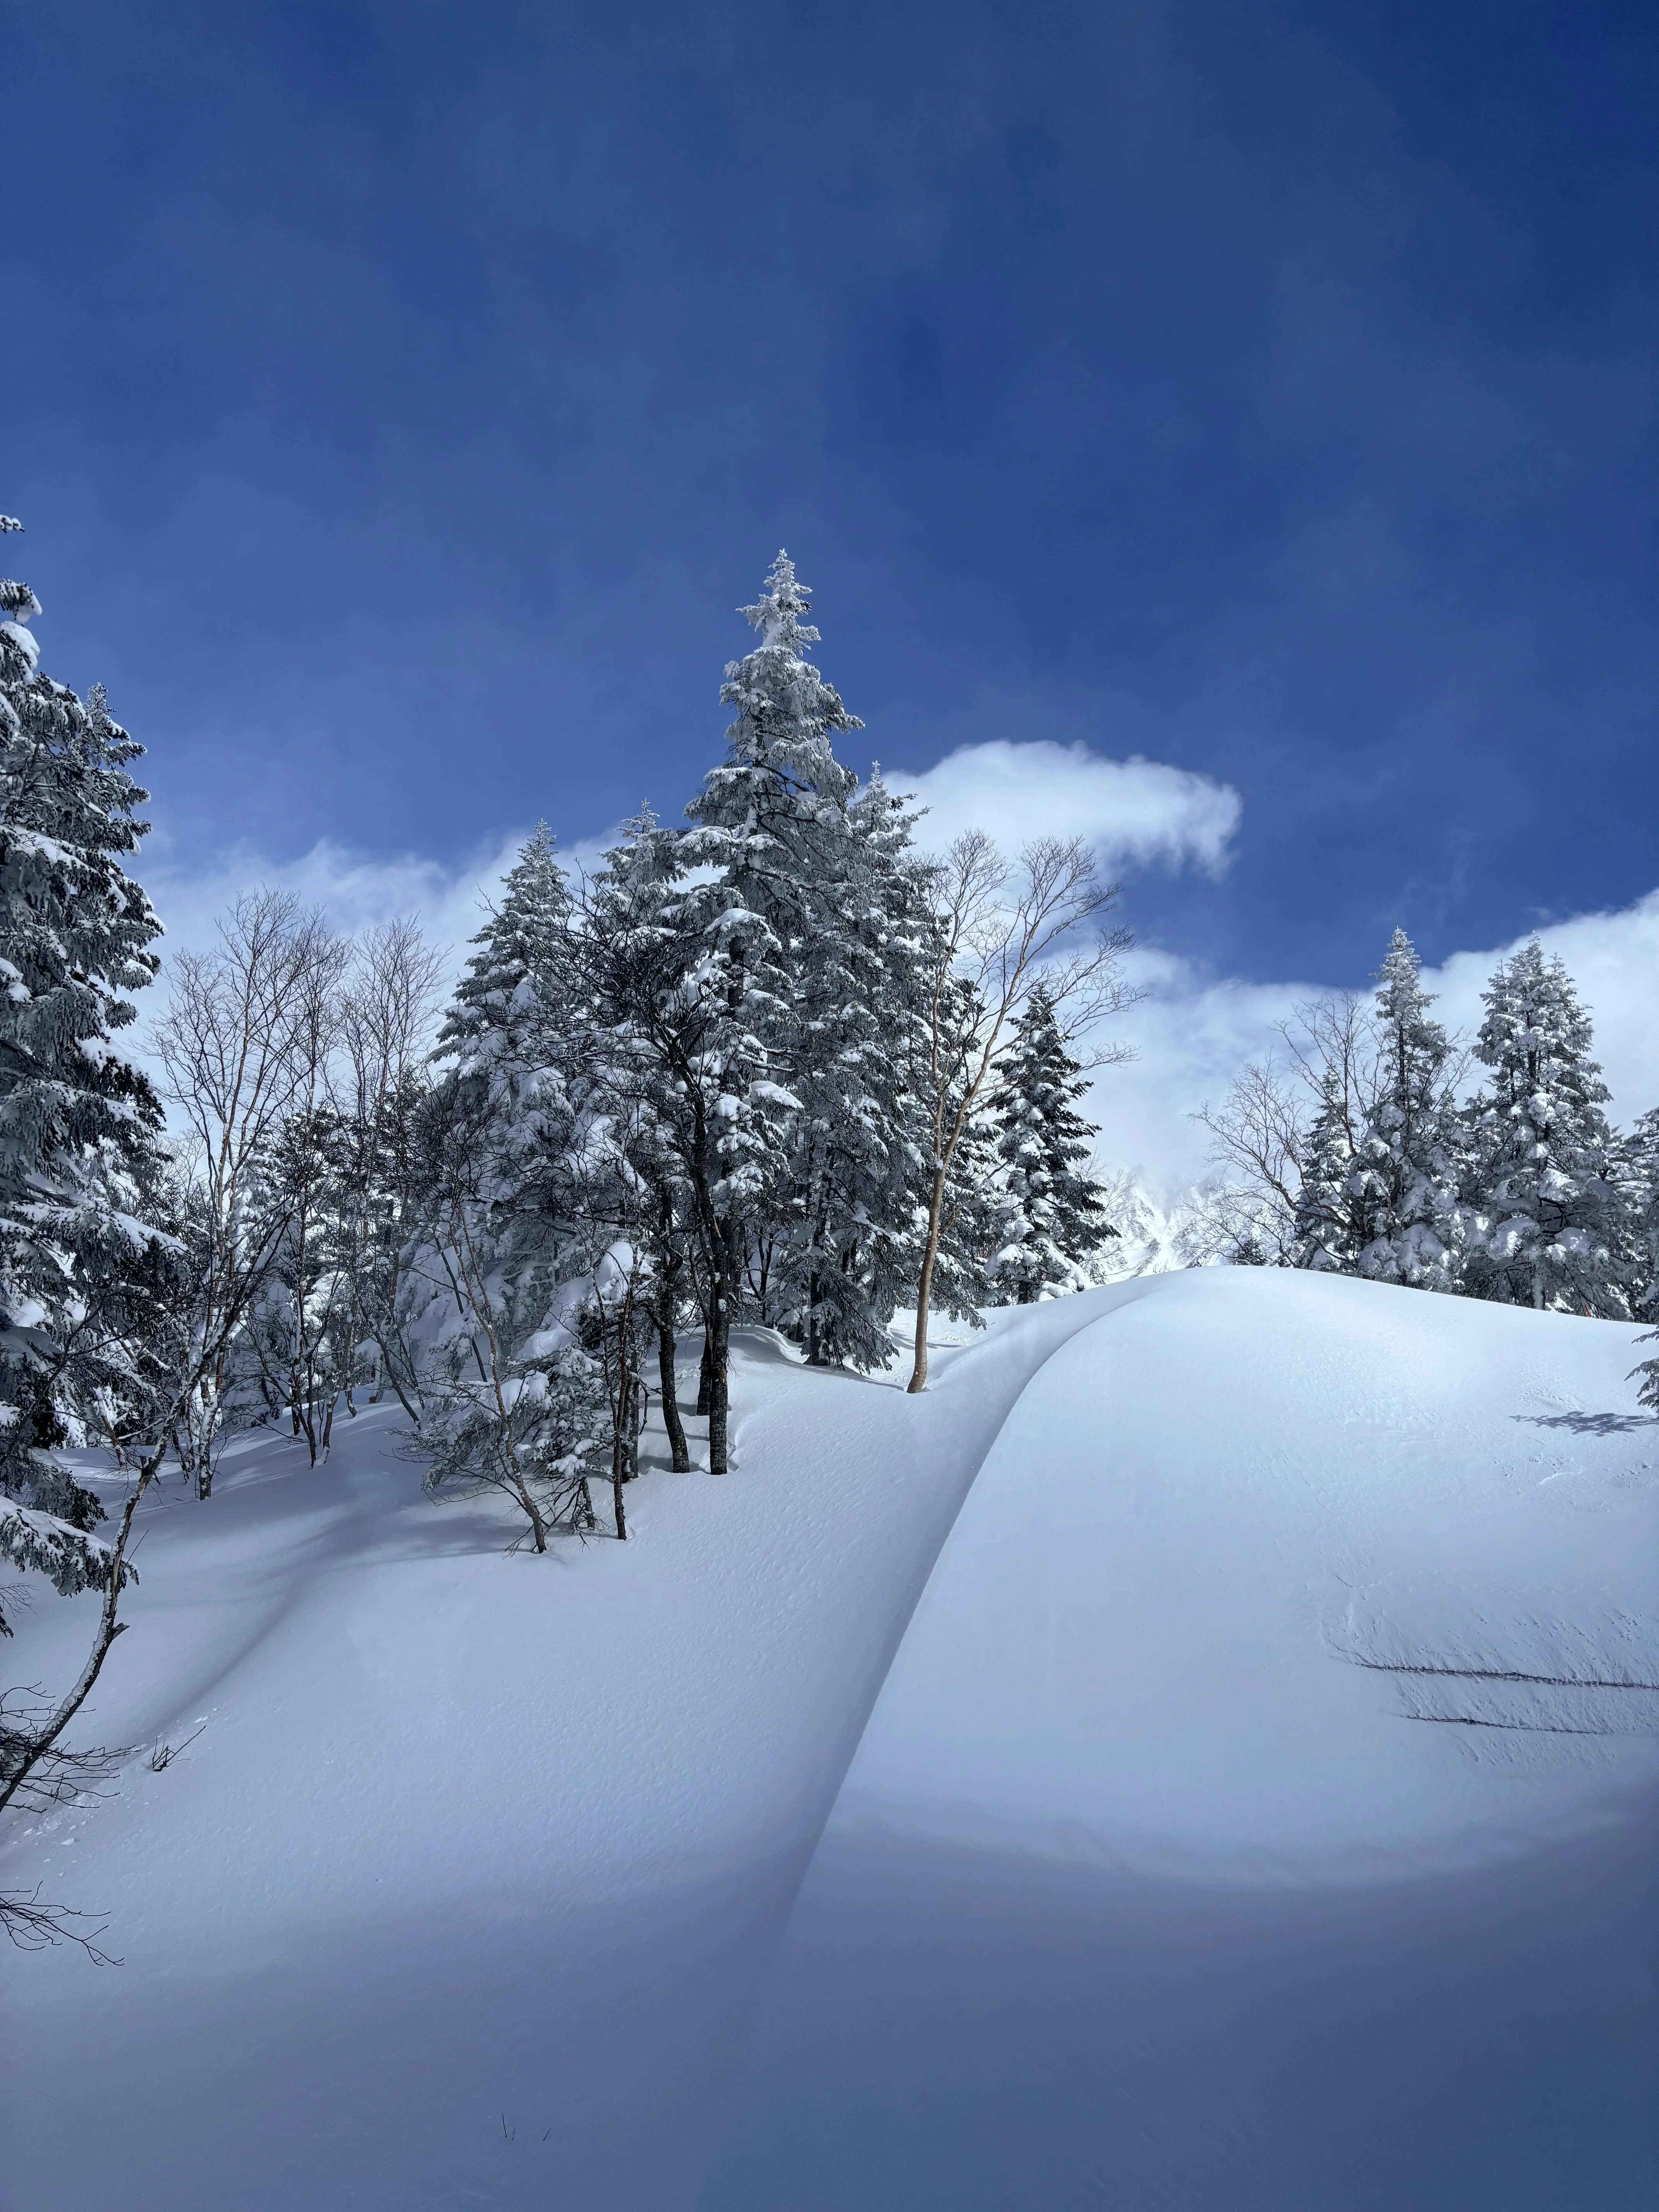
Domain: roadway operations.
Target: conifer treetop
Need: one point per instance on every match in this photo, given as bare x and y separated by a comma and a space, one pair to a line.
786, 712
784, 599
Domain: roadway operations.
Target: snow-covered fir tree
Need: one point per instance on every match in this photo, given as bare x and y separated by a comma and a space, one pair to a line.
1547, 1222
1327, 1233
847, 1253
1405, 1170
970, 1206
299, 1329
1053, 1210
497, 1290
1638, 1162
689, 995
829, 874
81, 1258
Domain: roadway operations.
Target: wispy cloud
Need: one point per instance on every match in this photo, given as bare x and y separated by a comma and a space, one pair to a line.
1135, 812
353, 888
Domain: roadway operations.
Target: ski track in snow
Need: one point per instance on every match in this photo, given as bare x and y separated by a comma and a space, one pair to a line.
1021, 1795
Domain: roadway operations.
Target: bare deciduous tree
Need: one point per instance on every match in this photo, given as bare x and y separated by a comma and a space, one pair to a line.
385, 1032
998, 929
243, 1044
1261, 1207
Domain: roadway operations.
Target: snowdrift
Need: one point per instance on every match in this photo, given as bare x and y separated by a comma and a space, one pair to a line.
1204, 1753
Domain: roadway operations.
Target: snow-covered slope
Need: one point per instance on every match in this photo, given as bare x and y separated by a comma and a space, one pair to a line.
1258, 1810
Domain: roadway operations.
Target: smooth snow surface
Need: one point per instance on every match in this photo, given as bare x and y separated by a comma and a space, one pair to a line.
1256, 1810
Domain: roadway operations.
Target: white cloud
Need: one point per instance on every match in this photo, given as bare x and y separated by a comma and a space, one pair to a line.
1192, 1034
353, 888
1134, 812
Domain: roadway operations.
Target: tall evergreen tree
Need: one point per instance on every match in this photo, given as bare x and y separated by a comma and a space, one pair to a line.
1328, 1220
1547, 1224
1405, 1170
81, 1255
827, 873
848, 1251
688, 996
1639, 1176
1639, 1163
511, 1004
1054, 1211
521, 1401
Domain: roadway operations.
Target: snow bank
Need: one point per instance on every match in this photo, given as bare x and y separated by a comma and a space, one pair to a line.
1260, 1811
1255, 1812
466, 1890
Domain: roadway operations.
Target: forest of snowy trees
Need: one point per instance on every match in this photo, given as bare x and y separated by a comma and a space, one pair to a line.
775, 1063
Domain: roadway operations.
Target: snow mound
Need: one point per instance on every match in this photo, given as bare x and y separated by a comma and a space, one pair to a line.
1200, 1754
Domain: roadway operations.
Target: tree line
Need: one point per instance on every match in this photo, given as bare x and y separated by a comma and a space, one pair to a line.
1356, 1151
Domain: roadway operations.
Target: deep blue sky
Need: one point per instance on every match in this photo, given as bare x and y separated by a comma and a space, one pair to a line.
401, 397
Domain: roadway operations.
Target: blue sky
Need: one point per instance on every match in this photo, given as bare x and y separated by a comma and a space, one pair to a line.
400, 400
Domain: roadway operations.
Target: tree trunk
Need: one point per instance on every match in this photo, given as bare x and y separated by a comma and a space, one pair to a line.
625, 1432
671, 1412
924, 1288
537, 1528
718, 1348
705, 1373
728, 1256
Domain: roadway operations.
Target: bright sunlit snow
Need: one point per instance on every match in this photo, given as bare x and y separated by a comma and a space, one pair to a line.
1202, 1754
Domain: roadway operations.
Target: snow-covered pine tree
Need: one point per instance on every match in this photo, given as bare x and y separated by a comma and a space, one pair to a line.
1546, 1223
1053, 1210
772, 819
1639, 1160
1405, 1166
513, 998
1326, 1234
519, 1404
689, 994
1639, 1179
766, 812
300, 1328
849, 1252
828, 875
81, 1258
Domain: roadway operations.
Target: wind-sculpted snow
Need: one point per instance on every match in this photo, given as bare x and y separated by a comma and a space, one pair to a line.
1254, 1815
1149, 1888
